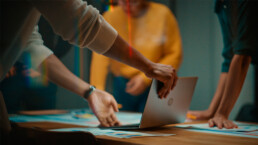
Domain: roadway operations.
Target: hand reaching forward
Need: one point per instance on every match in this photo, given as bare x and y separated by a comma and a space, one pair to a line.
136, 85
166, 74
104, 107
199, 115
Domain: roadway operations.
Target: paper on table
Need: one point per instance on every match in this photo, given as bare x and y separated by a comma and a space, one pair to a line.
243, 130
77, 117
109, 132
241, 127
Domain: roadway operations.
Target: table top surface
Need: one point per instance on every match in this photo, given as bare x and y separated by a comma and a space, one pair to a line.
181, 137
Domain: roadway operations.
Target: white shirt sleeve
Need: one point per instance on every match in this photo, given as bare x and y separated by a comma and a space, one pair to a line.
35, 51
79, 23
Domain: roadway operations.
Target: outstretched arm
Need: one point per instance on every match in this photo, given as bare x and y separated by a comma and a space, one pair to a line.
209, 113
121, 51
82, 25
234, 82
102, 103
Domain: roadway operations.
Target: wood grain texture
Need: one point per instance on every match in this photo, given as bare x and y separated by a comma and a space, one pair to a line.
182, 137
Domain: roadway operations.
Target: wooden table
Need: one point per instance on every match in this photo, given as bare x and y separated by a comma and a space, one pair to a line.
182, 137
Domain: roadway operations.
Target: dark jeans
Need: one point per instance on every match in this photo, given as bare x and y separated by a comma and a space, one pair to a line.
129, 102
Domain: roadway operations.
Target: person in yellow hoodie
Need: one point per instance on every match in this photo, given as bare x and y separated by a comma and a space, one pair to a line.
152, 29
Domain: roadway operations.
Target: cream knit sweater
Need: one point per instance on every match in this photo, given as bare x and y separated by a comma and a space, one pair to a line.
74, 20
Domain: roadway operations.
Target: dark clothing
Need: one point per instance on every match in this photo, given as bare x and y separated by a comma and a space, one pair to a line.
25, 93
239, 24
129, 102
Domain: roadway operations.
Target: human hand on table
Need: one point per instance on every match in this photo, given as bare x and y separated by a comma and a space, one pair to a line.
199, 115
136, 86
166, 74
221, 121
104, 107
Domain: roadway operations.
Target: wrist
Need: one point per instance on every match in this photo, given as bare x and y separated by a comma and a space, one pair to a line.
211, 111
221, 114
149, 70
88, 92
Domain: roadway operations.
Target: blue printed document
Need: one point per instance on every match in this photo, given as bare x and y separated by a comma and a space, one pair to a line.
112, 133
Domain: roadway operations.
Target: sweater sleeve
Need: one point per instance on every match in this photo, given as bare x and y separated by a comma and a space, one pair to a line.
35, 51
79, 23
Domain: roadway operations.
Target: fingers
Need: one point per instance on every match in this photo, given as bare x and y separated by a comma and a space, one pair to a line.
229, 124
162, 92
130, 84
217, 123
235, 126
166, 93
110, 121
132, 89
211, 123
103, 122
174, 83
168, 85
220, 123
114, 105
114, 118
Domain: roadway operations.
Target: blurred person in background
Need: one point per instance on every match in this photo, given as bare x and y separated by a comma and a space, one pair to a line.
152, 29
238, 20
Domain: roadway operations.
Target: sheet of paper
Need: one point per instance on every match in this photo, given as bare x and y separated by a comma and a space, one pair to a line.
251, 134
82, 117
109, 132
241, 127
243, 130
69, 118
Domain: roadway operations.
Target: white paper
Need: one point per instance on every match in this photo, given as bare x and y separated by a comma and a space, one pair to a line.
109, 132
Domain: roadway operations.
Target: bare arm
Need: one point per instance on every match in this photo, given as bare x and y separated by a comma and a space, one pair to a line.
214, 105
218, 94
102, 104
122, 52
59, 74
94, 32
234, 82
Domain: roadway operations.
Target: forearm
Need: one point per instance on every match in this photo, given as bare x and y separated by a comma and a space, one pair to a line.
235, 79
218, 94
59, 74
122, 52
